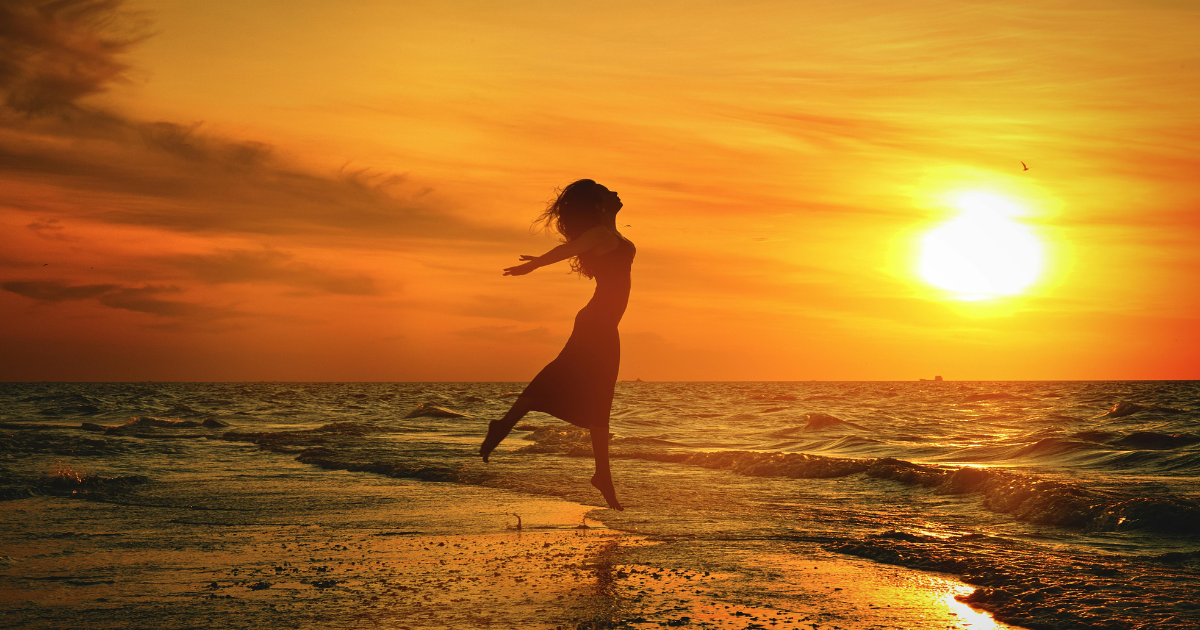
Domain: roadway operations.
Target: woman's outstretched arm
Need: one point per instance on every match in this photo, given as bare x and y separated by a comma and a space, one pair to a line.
595, 238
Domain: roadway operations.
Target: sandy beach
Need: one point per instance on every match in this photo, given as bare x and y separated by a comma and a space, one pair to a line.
372, 552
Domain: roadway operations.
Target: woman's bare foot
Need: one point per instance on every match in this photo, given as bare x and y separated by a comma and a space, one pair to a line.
499, 429
605, 486
496, 434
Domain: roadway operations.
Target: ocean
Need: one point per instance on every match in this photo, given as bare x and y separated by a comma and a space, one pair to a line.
1059, 504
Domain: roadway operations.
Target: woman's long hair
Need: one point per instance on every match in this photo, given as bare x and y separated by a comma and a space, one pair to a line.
574, 211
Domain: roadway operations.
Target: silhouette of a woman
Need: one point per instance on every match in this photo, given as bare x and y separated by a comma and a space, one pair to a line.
578, 385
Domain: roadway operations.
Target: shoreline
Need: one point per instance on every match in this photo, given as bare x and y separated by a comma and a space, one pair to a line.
136, 565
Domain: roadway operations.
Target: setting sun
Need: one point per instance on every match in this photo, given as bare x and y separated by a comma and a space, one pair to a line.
983, 253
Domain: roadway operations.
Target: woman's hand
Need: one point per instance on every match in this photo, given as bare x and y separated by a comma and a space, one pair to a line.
522, 269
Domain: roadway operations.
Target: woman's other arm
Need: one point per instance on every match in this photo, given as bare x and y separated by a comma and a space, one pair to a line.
596, 238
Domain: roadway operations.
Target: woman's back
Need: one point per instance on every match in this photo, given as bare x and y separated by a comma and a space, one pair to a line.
612, 271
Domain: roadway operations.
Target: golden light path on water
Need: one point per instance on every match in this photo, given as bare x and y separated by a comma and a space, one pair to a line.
982, 253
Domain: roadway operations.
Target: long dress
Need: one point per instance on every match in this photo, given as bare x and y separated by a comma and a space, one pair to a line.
578, 385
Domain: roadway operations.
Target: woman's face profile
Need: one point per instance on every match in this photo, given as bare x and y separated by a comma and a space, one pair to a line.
610, 201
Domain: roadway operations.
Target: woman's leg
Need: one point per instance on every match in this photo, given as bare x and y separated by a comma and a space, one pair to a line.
499, 429
602, 480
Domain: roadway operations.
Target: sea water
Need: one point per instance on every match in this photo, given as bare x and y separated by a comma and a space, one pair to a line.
1066, 504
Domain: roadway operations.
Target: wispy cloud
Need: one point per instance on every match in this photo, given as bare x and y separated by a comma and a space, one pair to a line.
51, 229
273, 266
145, 299
50, 291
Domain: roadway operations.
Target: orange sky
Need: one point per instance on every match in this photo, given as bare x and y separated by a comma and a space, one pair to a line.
302, 190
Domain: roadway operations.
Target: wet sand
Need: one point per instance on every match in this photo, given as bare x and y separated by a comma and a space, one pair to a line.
802, 587
294, 550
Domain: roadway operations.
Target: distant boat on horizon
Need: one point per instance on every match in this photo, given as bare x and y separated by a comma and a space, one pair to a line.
935, 379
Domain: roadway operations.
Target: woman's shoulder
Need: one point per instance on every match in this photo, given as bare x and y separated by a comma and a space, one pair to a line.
601, 230
602, 236
603, 240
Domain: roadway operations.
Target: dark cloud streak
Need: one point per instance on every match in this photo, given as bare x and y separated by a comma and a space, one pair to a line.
242, 266
144, 299
44, 291
55, 54
50, 229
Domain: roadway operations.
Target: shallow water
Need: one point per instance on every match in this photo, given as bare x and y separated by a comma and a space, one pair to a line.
1069, 504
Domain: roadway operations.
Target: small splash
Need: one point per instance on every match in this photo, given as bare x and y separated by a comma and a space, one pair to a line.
64, 477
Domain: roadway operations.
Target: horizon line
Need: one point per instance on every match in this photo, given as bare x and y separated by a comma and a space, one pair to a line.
1116, 380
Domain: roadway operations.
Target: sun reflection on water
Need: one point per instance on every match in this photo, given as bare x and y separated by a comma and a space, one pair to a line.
969, 618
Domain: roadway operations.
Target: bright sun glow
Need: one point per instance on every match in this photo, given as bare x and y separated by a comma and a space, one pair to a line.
983, 253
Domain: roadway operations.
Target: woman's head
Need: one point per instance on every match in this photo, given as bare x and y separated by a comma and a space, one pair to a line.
583, 204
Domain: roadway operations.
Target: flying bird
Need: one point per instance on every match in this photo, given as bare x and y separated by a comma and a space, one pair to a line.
1026, 167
